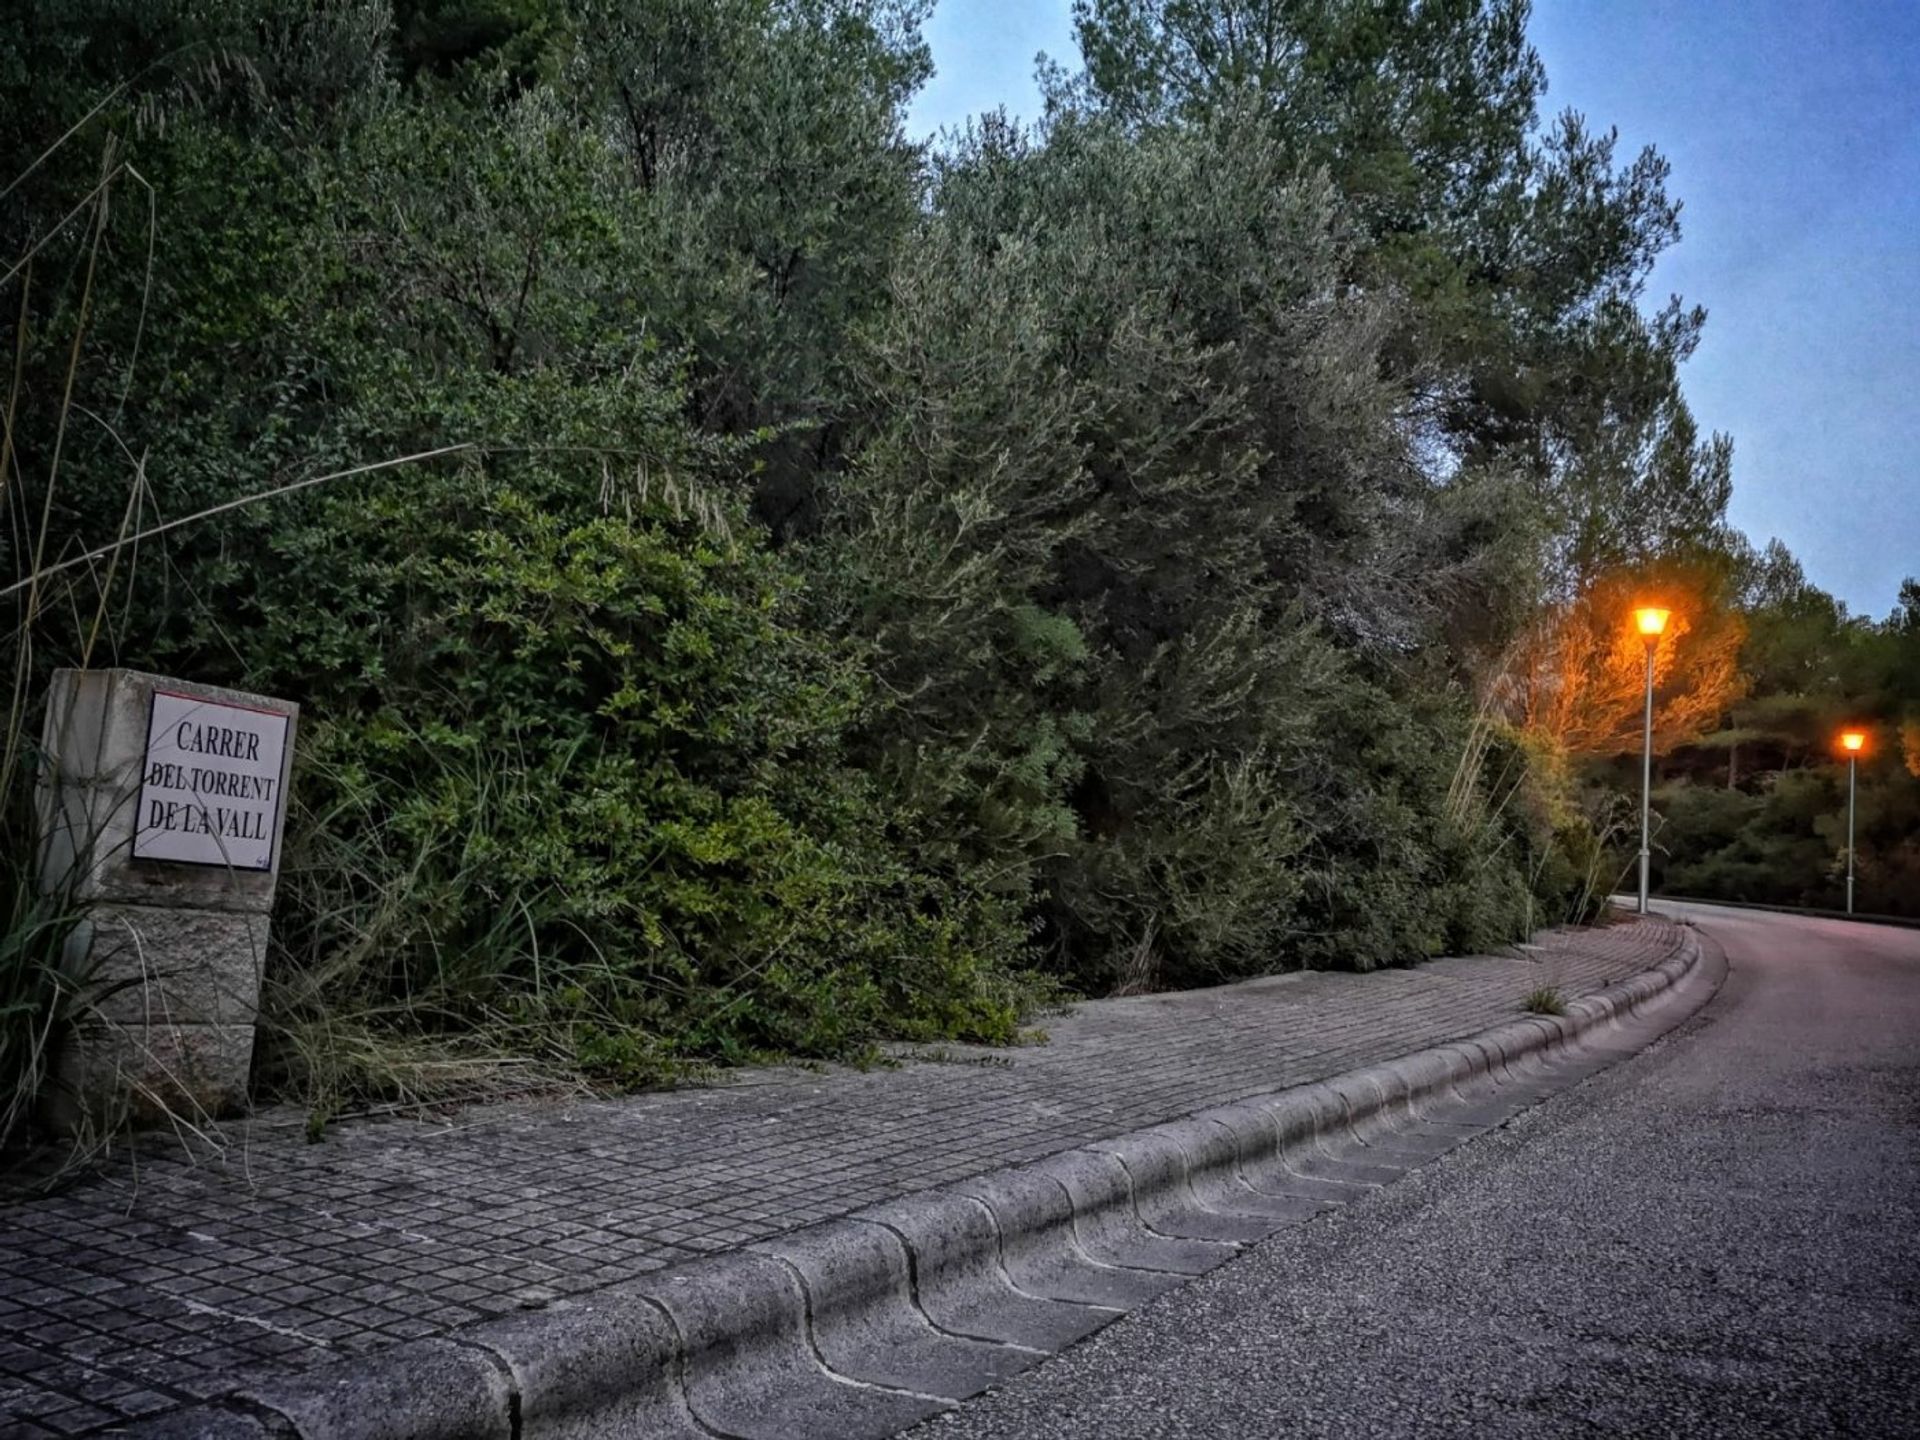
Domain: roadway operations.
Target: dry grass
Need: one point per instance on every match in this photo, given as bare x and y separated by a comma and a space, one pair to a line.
63, 589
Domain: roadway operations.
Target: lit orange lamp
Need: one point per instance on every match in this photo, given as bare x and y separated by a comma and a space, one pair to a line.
1652, 621
1853, 742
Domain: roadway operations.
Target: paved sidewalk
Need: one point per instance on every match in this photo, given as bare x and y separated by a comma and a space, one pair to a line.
155, 1285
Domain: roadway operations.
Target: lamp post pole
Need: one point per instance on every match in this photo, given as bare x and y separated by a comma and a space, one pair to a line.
1853, 762
1646, 781
1652, 622
1852, 742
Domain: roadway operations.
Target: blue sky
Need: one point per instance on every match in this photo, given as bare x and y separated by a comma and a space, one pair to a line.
1793, 127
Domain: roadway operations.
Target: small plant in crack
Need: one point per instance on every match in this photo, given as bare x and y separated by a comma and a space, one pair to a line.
1545, 1000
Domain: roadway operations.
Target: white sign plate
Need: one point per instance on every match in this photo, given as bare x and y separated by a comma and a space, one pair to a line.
210, 792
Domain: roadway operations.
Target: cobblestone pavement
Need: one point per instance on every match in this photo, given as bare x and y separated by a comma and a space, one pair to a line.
167, 1278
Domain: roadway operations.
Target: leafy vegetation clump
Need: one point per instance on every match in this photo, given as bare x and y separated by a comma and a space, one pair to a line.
603, 798
1544, 1000
1753, 807
759, 586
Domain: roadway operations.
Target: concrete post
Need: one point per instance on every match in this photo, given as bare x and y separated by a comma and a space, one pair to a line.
161, 810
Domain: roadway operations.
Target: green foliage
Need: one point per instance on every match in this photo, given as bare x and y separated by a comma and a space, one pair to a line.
849, 575
1546, 1000
1756, 811
1126, 409
1521, 247
1780, 837
573, 779
605, 786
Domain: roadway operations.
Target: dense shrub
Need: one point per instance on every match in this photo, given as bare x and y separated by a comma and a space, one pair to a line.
599, 781
1150, 562
841, 576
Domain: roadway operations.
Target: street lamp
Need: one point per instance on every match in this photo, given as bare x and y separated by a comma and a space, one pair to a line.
1652, 621
1853, 742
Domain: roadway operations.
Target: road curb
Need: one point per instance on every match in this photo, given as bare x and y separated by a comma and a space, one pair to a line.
867, 1324
1857, 917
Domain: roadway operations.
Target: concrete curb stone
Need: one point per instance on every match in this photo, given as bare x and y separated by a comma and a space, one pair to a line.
1213, 1152
866, 1326
211, 1422
421, 1390
953, 1249
1042, 1253
560, 1360
1253, 1132
1161, 1180
1109, 1226
750, 1365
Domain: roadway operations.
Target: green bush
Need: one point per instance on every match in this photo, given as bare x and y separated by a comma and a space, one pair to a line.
851, 575
598, 781
572, 783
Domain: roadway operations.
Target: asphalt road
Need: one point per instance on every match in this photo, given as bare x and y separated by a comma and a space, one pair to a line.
1719, 1236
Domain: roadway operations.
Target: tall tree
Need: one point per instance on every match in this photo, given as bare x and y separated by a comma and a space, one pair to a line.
1522, 247
1142, 539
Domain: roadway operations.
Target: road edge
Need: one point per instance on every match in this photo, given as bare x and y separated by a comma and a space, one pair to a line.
707, 1347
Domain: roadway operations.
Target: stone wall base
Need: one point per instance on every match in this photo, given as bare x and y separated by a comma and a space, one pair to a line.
106, 1074
169, 998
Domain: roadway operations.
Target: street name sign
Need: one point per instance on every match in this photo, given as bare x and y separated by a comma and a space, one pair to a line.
210, 783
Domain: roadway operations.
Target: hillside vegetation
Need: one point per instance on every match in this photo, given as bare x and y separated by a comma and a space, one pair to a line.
1754, 805
758, 585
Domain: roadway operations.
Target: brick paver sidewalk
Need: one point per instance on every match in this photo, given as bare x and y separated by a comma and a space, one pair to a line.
163, 1282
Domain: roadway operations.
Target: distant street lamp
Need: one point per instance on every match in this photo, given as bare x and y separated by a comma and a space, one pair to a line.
1652, 621
1853, 742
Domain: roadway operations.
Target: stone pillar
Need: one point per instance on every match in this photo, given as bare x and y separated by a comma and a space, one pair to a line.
161, 809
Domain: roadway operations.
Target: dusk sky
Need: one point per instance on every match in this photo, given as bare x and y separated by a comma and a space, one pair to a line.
1794, 133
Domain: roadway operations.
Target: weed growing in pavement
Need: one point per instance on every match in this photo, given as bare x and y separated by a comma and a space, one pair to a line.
1544, 1000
